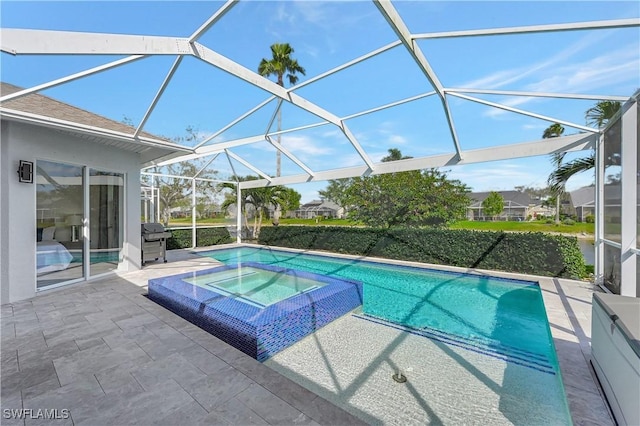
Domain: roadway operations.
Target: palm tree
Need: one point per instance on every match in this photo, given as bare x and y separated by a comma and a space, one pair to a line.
554, 131
281, 63
599, 115
260, 198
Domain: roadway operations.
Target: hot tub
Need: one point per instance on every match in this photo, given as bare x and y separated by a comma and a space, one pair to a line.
259, 309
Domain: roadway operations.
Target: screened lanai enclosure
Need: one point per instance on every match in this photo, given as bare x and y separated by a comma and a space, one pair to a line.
454, 85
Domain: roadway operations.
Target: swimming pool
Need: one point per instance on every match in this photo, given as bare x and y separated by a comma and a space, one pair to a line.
489, 317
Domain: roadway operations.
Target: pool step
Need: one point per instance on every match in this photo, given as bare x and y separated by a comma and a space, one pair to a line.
493, 349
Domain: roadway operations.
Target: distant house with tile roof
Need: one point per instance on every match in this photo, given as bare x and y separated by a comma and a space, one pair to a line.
583, 200
517, 206
319, 208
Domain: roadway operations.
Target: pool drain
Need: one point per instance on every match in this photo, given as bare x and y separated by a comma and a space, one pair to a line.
399, 377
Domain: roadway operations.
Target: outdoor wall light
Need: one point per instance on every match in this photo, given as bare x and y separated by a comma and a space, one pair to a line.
25, 171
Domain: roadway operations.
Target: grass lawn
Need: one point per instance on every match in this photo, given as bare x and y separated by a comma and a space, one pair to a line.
536, 226
321, 222
186, 221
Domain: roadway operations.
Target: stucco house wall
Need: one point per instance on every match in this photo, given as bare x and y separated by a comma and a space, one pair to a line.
22, 141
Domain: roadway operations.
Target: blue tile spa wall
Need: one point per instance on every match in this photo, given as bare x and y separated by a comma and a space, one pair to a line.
258, 332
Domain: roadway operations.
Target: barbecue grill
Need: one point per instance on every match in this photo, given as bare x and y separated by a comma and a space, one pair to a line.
154, 242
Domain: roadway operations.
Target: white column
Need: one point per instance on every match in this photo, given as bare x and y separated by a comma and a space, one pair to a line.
86, 224
152, 206
193, 213
146, 208
629, 201
238, 214
599, 212
158, 202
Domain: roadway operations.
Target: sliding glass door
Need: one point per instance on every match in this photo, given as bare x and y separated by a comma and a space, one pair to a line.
79, 222
106, 197
59, 214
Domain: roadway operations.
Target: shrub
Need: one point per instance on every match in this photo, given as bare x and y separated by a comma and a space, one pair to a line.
590, 218
549, 221
181, 238
529, 253
568, 221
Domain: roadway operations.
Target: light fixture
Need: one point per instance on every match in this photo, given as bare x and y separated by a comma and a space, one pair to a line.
25, 171
74, 221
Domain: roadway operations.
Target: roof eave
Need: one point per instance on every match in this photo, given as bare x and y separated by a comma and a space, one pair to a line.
44, 121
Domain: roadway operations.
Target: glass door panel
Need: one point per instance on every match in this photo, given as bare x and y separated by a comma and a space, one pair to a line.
106, 225
59, 213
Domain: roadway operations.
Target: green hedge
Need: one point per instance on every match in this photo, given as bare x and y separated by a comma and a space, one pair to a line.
181, 238
528, 253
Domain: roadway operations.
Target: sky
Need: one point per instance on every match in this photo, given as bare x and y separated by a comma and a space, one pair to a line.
328, 34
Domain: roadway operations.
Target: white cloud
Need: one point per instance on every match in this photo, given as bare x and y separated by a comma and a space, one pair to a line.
505, 77
501, 176
560, 73
534, 126
312, 11
397, 140
378, 155
305, 146
350, 160
613, 66
334, 133
510, 102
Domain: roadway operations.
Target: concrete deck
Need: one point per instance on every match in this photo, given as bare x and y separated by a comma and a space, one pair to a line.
108, 355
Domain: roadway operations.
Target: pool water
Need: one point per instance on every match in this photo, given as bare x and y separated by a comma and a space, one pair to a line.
109, 256
262, 287
489, 310
487, 317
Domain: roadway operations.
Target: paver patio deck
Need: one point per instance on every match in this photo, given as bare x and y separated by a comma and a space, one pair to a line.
109, 355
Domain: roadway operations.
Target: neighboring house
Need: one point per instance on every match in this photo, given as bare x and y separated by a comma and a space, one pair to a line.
517, 206
319, 208
75, 211
180, 212
583, 200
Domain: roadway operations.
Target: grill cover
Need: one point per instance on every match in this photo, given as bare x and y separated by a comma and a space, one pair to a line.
154, 241
154, 231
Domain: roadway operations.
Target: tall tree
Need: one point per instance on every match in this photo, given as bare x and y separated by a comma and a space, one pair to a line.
176, 192
554, 131
412, 198
394, 155
493, 205
599, 115
281, 63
